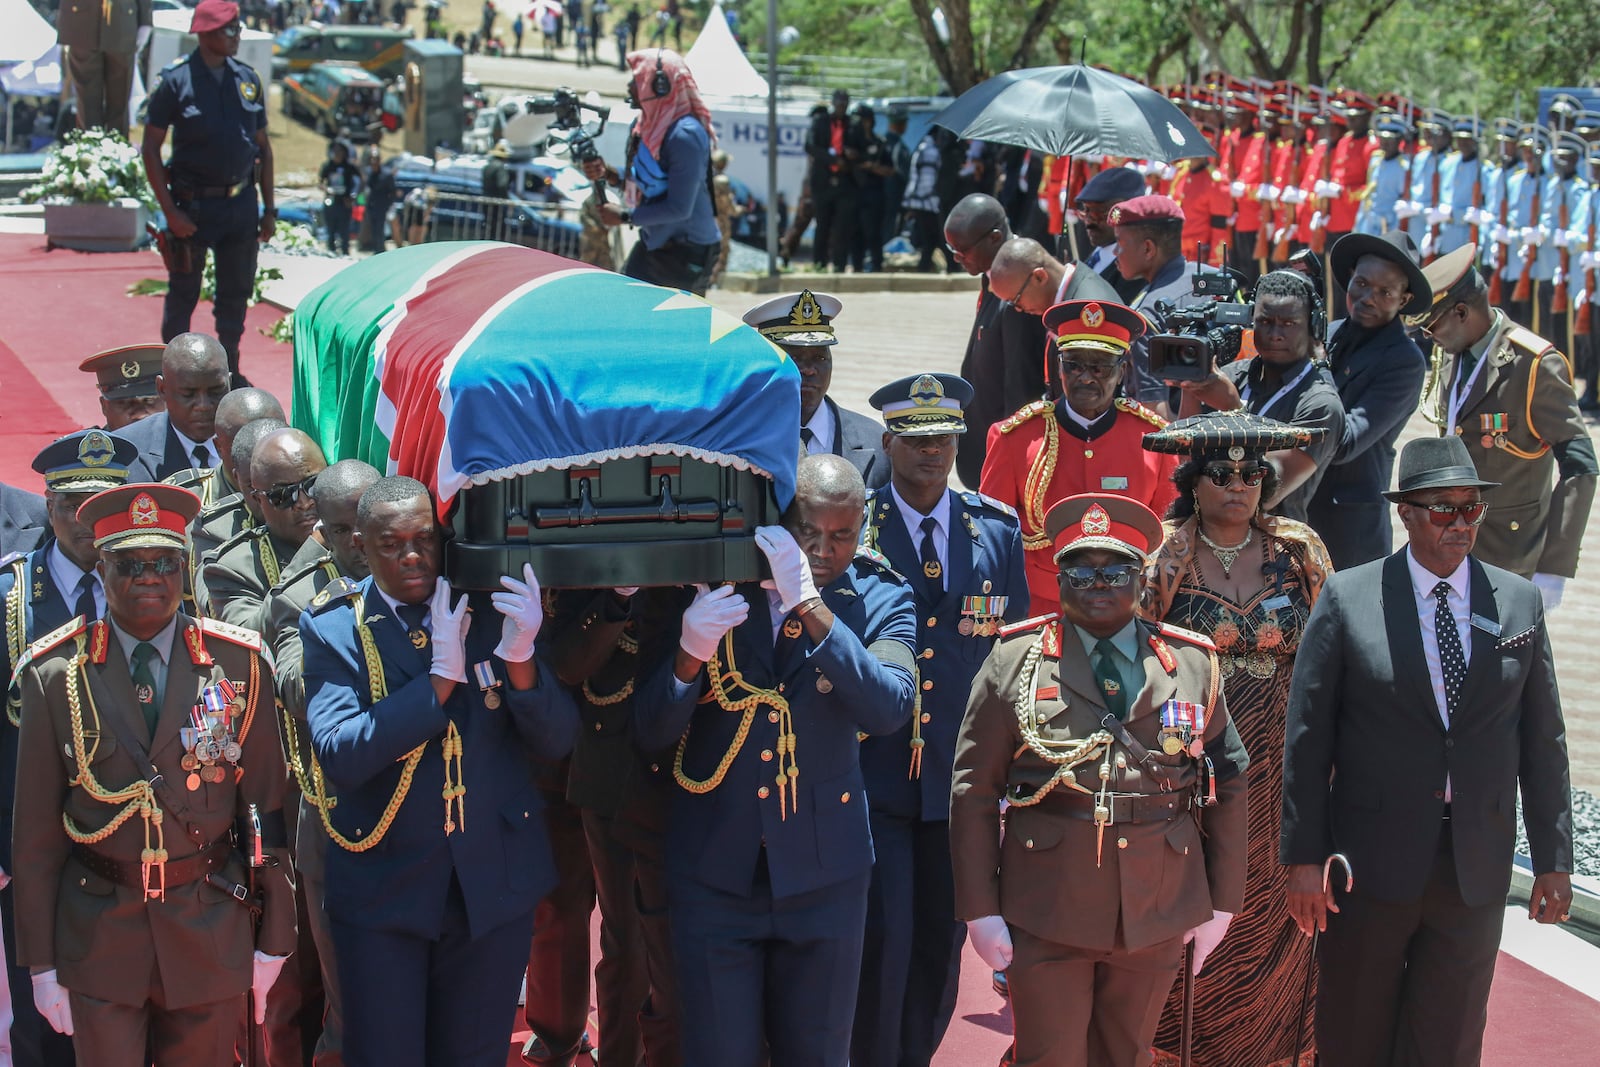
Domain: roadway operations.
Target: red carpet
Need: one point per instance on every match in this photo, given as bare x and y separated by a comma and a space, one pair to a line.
57, 308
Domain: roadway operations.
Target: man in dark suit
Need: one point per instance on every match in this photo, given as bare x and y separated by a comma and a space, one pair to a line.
963, 554
194, 378
1095, 200
768, 850
802, 325
1425, 697
23, 519
431, 930
1005, 347
1378, 371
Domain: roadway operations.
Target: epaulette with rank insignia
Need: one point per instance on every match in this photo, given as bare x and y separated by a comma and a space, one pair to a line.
338, 589
1024, 413
249, 533
305, 571
1027, 624
54, 639
1133, 407
979, 500
1168, 630
878, 561
237, 635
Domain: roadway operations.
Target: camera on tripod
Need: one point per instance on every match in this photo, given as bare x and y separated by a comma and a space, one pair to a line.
1198, 338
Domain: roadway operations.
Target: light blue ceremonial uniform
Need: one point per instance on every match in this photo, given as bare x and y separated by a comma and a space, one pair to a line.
1459, 184
1570, 193
1387, 182
1520, 188
1420, 192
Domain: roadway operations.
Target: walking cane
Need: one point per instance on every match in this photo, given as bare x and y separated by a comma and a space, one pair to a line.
1186, 1031
1311, 964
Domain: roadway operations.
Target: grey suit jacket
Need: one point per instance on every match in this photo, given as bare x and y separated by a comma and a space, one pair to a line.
1366, 754
23, 520
860, 440
161, 454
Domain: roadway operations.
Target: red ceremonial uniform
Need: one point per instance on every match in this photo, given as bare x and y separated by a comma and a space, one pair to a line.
1286, 159
1191, 188
1038, 457
1318, 166
1351, 157
1250, 169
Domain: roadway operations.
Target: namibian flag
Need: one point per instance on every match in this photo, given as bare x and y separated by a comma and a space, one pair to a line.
468, 362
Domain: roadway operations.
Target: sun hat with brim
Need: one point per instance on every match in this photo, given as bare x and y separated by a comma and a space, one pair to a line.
1398, 248
140, 515
1436, 463
1234, 435
1102, 520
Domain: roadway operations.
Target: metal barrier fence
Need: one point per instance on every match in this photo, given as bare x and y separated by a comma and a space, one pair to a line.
440, 215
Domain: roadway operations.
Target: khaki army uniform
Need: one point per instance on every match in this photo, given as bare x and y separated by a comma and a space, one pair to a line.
215, 525
210, 484
1515, 414
238, 575
727, 209
1097, 914
124, 885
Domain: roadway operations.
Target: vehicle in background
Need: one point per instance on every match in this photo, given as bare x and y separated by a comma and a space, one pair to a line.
380, 49
337, 100
547, 195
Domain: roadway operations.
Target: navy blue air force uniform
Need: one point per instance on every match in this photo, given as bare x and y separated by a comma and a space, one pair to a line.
431, 928
912, 955
767, 908
214, 121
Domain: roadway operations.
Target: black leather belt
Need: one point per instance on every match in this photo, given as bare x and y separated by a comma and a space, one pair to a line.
1130, 807
175, 872
209, 192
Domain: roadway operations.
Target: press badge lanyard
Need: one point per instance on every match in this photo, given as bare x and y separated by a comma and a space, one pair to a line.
1458, 395
1244, 395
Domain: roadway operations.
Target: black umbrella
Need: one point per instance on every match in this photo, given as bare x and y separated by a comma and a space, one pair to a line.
1075, 111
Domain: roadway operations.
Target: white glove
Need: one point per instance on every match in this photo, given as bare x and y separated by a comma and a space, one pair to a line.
1551, 586
524, 614
1586, 261
991, 940
1561, 238
1236, 189
712, 614
1532, 237
141, 37
1445, 212
264, 972
1207, 936
1167, 171
1404, 209
51, 1000
1500, 235
449, 634
791, 571
1294, 195
1328, 188
1267, 192
1434, 216
1318, 220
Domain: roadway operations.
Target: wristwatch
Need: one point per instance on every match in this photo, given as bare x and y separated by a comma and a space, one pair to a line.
626, 216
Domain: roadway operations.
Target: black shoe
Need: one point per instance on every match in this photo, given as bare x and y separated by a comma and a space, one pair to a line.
1001, 986
1589, 404
537, 1054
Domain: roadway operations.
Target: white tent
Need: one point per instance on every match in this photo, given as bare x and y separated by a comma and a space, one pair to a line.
27, 35
718, 65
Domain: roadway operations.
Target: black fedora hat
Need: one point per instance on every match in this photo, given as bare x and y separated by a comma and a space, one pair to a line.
1436, 463
1398, 248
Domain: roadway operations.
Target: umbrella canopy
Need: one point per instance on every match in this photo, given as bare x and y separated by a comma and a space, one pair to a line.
461, 363
1075, 111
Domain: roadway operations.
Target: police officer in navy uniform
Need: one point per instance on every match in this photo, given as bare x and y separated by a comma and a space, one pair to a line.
41, 591
962, 554
768, 849
430, 904
216, 107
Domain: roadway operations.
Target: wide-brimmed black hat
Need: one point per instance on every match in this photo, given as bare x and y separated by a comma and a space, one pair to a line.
1398, 248
1436, 463
1223, 433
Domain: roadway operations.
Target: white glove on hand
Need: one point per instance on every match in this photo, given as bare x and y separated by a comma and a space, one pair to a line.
991, 940
1318, 220
1561, 237
1500, 235
1445, 211
1267, 192
712, 614
1236, 190
524, 614
1551, 587
1328, 188
1532, 237
264, 972
449, 634
791, 571
1207, 936
51, 1000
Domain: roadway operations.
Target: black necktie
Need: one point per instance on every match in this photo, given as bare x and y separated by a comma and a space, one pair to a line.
85, 603
807, 435
415, 617
1452, 660
202, 457
932, 569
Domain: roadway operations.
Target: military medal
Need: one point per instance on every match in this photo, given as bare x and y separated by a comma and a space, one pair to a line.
192, 781
965, 626
483, 671
791, 628
1493, 425
231, 751
823, 684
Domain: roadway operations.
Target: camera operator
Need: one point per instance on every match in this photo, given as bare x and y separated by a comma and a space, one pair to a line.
667, 180
1284, 382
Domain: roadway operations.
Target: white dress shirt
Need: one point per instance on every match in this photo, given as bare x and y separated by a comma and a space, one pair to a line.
913, 520
67, 574
823, 427
189, 445
1423, 582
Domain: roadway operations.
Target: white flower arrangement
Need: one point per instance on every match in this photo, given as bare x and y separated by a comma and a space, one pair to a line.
93, 167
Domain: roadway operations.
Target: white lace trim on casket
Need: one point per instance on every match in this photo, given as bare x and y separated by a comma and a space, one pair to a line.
721, 459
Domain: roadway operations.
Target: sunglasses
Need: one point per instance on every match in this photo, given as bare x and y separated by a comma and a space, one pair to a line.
285, 496
134, 568
1115, 576
1222, 476
1445, 514
1102, 372
232, 29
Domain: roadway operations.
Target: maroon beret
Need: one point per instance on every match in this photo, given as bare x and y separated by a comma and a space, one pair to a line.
213, 15
1150, 208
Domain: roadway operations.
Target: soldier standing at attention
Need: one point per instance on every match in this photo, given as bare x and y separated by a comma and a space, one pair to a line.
1125, 833
963, 554
216, 107
132, 906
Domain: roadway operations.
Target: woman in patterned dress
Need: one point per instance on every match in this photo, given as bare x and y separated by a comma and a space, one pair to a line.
1248, 581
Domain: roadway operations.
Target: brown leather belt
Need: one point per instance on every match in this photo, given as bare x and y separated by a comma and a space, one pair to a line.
177, 872
1130, 807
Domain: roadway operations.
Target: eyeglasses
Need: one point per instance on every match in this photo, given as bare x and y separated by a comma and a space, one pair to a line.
1222, 476
232, 29
1433, 323
1115, 576
164, 566
1016, 301
1096, 212
284, 496
962, 253
1445, 514
1098, 371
